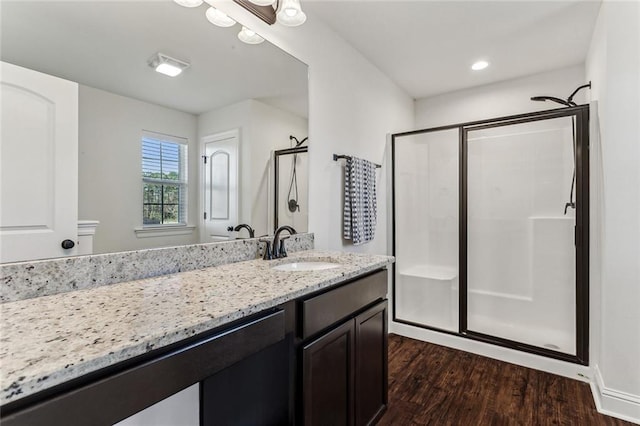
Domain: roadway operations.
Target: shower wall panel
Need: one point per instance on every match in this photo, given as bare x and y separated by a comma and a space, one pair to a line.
520, 253
426, 228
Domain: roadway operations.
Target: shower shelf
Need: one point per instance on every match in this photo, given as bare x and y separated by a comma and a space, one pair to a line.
434, 272
551, 218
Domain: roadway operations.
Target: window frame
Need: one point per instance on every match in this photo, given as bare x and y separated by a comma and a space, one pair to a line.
182, 183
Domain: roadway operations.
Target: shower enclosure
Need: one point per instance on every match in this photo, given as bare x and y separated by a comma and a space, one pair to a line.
291, 171
490, 231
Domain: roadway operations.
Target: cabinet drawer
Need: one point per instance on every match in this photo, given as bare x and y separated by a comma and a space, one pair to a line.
323, 310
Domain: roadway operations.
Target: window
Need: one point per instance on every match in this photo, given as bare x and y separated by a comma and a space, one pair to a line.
164, 180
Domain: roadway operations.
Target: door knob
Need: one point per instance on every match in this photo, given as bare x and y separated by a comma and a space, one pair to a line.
68, 244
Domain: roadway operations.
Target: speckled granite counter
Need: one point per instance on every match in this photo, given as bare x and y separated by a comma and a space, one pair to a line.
26, 280
50, 340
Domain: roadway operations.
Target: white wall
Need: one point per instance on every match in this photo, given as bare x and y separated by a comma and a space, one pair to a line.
109, 172
595, 65
223, 119
352, 106
263, 128
270, 130
613, 65
499, 99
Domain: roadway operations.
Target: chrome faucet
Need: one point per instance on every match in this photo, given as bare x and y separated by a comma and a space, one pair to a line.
252, 233
275, 249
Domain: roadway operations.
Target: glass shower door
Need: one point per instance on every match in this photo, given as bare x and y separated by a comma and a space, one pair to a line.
520, 253
426, 224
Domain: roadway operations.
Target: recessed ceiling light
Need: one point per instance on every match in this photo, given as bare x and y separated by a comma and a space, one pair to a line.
167, 65
480, 65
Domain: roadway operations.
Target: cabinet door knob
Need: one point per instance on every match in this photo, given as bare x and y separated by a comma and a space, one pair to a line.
67, 244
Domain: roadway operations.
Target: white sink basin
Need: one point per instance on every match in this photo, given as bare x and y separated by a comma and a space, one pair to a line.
305, 266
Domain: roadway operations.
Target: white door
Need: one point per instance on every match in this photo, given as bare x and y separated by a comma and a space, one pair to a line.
220, 185
38, 164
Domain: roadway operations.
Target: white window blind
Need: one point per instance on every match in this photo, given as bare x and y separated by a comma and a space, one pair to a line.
164, 179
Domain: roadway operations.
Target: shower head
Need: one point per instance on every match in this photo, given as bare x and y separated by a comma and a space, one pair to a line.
553, 99
570, 98
298, 143
568, 103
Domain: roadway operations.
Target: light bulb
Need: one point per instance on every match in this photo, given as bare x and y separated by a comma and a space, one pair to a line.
221, 19
263, 2
168, 69
189, 3
167, 65
480, 65
291, 13
249, 36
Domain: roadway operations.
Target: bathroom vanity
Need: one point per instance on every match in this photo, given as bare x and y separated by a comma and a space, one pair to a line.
266, 346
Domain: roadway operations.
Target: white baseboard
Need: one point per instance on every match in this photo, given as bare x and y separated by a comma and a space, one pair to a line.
614, 403
561, 368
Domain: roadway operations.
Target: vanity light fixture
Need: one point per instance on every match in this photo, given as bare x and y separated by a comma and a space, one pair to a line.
286, 12
291, 14
479, 65
167, 65
219, 18
263, 2
189, 3
249, 36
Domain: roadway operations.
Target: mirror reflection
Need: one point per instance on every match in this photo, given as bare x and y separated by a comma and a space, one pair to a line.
291, 186
158, 160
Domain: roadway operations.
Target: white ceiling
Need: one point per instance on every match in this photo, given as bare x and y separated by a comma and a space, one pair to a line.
106, 44
427, 47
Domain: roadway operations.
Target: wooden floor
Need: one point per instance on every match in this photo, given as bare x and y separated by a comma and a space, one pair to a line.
435, 385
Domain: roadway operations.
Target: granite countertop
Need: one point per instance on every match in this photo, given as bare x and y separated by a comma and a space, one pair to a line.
53, 339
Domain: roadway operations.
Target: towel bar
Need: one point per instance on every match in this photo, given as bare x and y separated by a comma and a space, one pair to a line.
336, 157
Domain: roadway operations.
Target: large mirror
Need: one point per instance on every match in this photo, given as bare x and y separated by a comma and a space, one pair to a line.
161, 161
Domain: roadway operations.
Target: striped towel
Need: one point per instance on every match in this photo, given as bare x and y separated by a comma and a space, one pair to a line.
360, 202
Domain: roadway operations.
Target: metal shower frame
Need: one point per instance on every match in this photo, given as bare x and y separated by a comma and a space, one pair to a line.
581, 114
276, 158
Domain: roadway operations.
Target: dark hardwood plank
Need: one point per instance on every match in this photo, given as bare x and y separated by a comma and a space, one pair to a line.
435, 385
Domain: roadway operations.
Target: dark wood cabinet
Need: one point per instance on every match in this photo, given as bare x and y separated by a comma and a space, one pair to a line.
328, 378
344, 371
371, 356
330, 369
321, 311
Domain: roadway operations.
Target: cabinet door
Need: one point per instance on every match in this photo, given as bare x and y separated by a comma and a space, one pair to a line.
371, 364
328, 378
